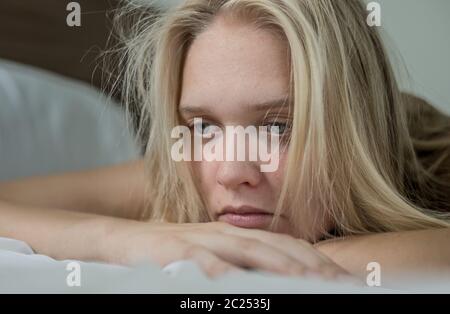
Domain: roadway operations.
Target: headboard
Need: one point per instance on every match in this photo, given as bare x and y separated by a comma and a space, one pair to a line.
36, 33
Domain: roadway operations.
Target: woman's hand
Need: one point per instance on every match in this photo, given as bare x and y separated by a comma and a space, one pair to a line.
216, 247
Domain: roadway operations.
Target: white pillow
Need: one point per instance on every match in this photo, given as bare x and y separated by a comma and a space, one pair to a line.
49, 123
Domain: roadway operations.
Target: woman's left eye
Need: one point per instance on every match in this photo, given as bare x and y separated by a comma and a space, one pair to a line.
205, 128
279, 128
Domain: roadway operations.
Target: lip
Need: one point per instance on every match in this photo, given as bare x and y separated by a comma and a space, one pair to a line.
243, 210
246, 217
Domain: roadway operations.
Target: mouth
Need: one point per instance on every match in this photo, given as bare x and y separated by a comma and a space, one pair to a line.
246, 217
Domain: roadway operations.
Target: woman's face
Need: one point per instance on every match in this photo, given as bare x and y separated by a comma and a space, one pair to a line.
232, 72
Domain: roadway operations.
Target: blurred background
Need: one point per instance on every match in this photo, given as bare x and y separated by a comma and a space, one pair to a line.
35, 33
417, 34
54, 115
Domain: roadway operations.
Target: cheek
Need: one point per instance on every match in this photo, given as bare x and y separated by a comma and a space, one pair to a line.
276, 179
205, 174
278, 176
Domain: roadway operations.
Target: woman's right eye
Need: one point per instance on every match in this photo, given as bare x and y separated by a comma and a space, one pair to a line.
204, 128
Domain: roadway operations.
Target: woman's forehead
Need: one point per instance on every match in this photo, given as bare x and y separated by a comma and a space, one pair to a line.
235, 64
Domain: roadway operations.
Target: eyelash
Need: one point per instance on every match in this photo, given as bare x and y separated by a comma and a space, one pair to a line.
285, 132
287, 126
191, 125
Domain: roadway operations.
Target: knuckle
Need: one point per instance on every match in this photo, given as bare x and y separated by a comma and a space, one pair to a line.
292, 267
246, 244
224, 268
330, 272
319, 266
190, 251
213, 268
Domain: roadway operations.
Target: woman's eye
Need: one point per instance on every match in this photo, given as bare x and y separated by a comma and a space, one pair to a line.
278, 128
204, 128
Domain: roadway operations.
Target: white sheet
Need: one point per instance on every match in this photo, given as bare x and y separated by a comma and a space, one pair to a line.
22, 271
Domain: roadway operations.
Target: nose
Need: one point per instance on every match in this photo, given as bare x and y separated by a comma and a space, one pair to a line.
233, 174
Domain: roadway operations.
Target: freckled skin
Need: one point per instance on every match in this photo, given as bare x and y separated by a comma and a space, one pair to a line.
230, 66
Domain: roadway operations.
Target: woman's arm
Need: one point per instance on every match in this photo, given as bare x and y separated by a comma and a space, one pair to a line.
90, 229
216, 247
56, 233
422, 252
112, 191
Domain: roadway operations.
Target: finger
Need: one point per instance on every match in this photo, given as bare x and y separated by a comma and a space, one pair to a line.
298, 249
249, 253
211, 264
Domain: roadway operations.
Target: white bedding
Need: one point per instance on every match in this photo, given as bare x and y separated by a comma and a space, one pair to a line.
22, 271
50, 123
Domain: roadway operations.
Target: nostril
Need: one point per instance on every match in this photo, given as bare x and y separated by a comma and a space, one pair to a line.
234, 174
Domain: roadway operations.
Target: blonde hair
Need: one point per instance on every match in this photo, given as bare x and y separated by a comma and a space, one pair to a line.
351, 155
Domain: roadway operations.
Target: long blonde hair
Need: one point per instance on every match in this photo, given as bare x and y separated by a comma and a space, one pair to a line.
351, 154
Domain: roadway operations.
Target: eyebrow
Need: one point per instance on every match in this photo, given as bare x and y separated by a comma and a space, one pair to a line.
263, 106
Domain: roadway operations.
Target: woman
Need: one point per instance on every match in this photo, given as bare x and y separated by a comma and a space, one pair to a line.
351, 169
